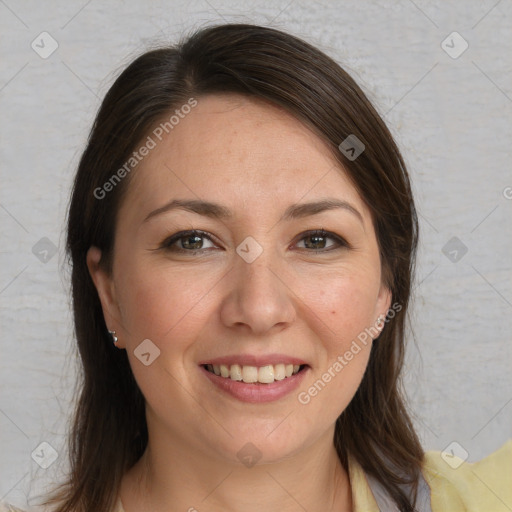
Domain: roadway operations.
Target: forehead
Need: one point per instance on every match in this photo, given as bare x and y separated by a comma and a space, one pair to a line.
243, 152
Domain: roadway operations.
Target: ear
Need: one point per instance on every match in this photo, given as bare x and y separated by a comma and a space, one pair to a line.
382, 306
106, 291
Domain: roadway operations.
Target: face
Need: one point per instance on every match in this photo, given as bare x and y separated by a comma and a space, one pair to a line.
266, 281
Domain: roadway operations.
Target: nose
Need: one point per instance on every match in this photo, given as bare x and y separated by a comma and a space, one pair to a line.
258, 300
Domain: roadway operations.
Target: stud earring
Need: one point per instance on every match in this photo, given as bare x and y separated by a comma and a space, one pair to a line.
113, 336
380, 322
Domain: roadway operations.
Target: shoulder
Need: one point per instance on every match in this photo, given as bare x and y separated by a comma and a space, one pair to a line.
458, 485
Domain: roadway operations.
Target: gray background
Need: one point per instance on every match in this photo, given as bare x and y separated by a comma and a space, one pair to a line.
450, 116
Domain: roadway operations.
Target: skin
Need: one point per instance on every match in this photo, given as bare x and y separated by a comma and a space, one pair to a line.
256, 160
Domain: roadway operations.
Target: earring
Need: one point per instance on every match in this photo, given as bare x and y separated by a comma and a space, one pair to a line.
113, 336
380, 322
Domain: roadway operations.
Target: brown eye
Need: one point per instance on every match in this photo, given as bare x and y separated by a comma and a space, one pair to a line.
315, 242
186, 242
318, 241
191, 242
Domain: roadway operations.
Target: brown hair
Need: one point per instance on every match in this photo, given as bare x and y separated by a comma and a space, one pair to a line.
109, 432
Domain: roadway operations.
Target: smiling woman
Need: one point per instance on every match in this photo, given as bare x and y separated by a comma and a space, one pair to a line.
261, 252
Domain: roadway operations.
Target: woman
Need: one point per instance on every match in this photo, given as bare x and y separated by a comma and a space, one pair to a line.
242, 235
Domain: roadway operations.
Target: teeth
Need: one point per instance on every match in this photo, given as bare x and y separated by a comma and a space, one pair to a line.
251, 374
236, 372
266, 374
279, 372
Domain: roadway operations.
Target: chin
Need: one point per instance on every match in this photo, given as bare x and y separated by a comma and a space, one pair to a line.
263, 446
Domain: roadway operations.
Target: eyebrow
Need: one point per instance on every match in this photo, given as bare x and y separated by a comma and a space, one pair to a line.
217, 211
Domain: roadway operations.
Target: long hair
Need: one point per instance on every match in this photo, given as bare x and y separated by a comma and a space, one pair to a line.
109, 431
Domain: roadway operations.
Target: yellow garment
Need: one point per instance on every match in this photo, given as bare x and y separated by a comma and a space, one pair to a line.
484, 486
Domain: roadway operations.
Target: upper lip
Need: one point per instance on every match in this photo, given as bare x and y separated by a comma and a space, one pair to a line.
254, 360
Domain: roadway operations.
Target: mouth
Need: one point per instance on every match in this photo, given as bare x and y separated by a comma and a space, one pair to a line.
254, 382
266, 374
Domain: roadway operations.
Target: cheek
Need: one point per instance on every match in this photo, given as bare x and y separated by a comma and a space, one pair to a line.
341, 313
168, 307
344, 302
157, 300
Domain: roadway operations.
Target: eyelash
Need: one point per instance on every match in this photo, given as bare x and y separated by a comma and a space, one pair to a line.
170, 241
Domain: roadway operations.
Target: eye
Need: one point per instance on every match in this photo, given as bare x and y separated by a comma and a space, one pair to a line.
316, 240
193, 242
187, 242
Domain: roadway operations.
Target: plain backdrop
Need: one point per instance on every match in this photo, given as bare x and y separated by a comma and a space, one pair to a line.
447, 99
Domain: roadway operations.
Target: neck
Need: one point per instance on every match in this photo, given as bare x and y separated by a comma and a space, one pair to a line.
175, 476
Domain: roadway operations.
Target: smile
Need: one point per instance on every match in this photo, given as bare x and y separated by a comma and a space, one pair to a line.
255, 384
254, 374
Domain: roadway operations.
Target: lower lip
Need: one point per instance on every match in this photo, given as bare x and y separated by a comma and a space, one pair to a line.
257, 392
